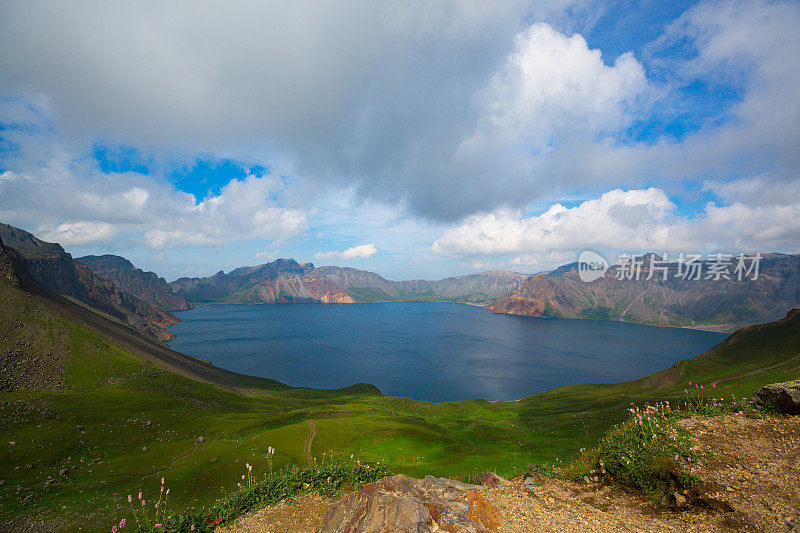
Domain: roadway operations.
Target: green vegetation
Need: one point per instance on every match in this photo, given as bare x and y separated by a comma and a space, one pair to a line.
256, 492
117, 424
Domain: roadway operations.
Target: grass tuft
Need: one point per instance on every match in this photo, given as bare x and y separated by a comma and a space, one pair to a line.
328, 479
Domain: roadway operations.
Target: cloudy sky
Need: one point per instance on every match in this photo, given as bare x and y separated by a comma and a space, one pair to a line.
419, 139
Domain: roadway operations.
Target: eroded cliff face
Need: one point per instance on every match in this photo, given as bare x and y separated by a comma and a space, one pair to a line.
8, 272
144, 285
50, 266
105, 294
517, 305
671, 302
282, 281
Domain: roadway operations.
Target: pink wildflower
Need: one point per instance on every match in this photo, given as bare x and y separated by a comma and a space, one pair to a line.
162, 480
114, 529
191, 528
140, 495
122, 523
129, 498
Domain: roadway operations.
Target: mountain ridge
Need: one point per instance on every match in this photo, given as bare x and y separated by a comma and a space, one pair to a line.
147, 286
287, 281
54, 269
721, 305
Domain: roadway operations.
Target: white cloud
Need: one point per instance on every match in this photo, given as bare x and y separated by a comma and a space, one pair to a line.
553, 85
74, 204
362, 251
633, 220
267, 255
79, 233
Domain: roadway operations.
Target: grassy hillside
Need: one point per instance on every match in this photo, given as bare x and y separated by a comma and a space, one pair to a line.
115, 424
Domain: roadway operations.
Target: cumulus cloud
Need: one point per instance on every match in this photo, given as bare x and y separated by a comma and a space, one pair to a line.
79, 233
619, 220
429, 104
362, 251
70, 202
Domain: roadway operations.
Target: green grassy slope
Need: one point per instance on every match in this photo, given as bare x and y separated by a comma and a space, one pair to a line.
95, 424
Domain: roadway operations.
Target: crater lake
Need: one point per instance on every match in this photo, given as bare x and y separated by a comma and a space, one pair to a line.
428, 350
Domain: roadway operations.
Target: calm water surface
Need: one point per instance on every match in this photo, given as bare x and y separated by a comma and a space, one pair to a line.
428, 351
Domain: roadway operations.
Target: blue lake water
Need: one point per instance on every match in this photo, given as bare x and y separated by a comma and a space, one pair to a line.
427, 350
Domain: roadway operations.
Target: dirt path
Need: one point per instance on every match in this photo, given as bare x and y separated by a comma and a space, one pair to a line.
312, 426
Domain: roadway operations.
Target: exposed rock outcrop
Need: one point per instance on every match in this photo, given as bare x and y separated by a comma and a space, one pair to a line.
711, 303
8, 272
403, 504
785, 397
144, 285
50, 266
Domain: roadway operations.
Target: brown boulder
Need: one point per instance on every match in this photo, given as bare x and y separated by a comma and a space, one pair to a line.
407, 505
783, 396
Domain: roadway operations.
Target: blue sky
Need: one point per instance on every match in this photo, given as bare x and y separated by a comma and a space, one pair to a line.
419, 141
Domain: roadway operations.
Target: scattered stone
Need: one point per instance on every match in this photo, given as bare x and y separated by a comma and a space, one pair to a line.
144, 448
529, 482
200, 440
430, 504
12, 443
490, 479
550, 500
680, 500
783, 396
62, 471
79, 428
148, 423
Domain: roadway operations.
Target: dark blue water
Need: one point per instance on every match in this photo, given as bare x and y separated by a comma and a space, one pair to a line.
428, 351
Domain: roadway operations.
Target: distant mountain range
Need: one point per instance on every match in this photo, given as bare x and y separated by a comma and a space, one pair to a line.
705, 303
287, 281
143, 299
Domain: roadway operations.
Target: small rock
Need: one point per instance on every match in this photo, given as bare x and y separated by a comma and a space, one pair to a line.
550, 500
62, 471
490, 479
11, 443
79, 428
148, 423
200, 440
529, 482
144, 448
680, 500
729, 489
